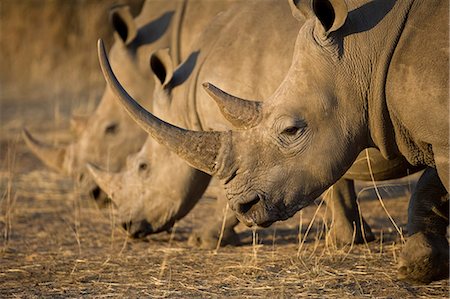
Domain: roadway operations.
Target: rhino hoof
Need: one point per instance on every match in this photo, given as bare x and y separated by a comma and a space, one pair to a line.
208, 240
425, 258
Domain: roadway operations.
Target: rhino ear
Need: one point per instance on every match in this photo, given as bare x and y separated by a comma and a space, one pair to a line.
300, 9
162, 67
123, 23
331, 13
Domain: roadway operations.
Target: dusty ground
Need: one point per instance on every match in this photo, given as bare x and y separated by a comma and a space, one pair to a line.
54, 242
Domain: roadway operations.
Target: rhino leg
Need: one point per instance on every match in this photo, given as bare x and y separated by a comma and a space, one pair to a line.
208, 235
345, 217
425, 257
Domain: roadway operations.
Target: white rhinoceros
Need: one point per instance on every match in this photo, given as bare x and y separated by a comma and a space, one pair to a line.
108, 136
375, 74
158, 188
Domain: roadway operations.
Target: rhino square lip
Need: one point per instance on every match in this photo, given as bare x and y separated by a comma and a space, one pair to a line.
250, 222
141, 229
266, 223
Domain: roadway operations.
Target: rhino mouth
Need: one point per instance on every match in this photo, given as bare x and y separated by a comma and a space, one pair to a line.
138, 229
141, 229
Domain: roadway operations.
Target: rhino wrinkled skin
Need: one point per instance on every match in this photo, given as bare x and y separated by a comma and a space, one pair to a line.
364, 73
157, 188
109, 135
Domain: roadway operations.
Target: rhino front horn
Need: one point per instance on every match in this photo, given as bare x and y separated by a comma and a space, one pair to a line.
199, 149
52, 156
239, 112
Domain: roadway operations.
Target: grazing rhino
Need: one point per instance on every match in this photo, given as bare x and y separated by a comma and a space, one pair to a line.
151, 195
374, 73
108, 136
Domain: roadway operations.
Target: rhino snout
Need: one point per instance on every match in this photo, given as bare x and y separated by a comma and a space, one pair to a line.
142, 228
138, 229
250, 210
247, 204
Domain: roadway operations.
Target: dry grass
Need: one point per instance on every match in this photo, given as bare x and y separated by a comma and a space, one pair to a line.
54, 242
60, 244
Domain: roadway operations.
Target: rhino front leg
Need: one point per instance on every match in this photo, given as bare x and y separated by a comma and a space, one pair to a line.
425, 257
208, 235
345, 216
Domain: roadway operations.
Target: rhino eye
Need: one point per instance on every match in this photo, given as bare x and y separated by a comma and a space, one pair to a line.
111, 129
142, 166
289, 131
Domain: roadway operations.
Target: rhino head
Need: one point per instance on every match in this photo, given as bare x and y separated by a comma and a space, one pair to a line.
157, 187
108, 135
290, 148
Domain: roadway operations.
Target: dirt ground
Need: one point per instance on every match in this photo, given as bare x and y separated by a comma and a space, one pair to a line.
56, 243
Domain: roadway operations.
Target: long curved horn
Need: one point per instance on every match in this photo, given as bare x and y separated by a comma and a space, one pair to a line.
199, 149
52, 156
239, 112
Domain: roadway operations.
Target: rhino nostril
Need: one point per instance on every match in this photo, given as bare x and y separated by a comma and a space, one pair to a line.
126, 225
243, 208
95, 193
80, 178
101, 198
139, 229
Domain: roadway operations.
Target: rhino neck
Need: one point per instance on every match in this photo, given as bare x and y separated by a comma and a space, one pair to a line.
190, 20
176, 32
374, 29
187, 96
159, 26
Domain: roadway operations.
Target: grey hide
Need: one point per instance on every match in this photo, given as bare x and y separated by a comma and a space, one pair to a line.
163, 189
108, 136
364, 73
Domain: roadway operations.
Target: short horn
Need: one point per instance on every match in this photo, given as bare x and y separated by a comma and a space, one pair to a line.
239, 112
52, 156
78, 123
199, 149
104, 179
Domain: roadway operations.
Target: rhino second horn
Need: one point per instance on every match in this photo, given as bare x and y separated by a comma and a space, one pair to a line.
199, 149
240, 113
52, 156
104, 179
78, 124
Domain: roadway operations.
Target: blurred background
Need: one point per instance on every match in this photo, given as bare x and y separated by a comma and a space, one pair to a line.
49, 65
